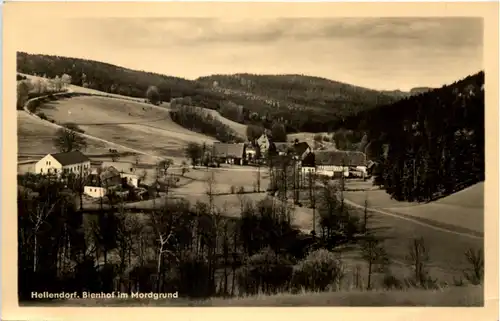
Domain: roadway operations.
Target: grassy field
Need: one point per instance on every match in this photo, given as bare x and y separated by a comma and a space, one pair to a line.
240, 129
464, 209
450, 297
35, 137
136, 125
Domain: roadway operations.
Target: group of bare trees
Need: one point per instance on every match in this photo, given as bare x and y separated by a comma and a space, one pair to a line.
197, 248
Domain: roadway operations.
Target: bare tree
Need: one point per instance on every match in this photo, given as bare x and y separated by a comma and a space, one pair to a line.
210, 190
38, 218
375, 256
475, 274
66, 80
68, 140
312, 197
418, 257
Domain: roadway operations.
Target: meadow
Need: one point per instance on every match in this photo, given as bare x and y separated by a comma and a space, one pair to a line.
131, 124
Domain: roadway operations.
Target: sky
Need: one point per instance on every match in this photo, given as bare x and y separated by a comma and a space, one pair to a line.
378, 53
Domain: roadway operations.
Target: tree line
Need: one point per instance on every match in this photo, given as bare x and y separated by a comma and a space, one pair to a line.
431, 144
201, 121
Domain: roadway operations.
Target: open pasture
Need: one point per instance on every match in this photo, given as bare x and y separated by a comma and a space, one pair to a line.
464, 209
35, 138
237, 177
135, 125
240, 129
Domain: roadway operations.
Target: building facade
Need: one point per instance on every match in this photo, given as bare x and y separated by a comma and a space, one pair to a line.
72, 162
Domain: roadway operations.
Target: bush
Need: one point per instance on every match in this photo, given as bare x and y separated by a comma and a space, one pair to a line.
232, 189
318, 137
241, 190
42, 116
264, 272
390, 282
74, 127
317, 271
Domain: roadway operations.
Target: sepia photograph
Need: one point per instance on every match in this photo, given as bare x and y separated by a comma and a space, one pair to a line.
266, 161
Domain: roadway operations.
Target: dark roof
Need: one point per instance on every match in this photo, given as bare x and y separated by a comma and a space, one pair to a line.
70, 158
228, 150
109, 173
309, 160
300, 148
340, 158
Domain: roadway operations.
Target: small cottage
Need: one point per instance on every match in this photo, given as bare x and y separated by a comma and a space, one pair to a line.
229, 153
333, 163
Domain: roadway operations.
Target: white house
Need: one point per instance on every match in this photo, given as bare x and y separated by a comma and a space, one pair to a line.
132, 179
73, 162
94, 191
264, 143
335, 162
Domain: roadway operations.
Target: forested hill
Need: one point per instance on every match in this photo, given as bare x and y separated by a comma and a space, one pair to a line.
299, 103
106, 77
301, 92
435, 139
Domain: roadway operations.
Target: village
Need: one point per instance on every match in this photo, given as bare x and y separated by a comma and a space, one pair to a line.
121, 178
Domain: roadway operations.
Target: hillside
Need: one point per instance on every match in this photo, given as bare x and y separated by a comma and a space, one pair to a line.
435, 139
302, 103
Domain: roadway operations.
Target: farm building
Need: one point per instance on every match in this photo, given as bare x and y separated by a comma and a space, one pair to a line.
95, 191
333, 163
110, 176
72, 162
250, 153
229, 153
127, 172
308, 164
301, 150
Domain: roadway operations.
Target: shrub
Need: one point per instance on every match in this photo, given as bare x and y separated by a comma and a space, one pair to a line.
241, 190
74, 127
264, 272
318, 137
232, 189
42, 116
475, 274
390, 282
317, 271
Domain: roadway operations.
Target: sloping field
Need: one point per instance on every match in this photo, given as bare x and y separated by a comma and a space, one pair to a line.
135, 125
34, 137
464, 209
240, 129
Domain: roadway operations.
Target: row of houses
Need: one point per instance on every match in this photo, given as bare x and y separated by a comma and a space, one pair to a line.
323, 162
99, 179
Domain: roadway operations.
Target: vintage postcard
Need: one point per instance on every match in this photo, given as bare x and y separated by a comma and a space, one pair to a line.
280, 155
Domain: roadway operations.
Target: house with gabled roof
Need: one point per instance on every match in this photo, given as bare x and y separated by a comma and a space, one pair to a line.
229, 153
72, 162
336, 162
